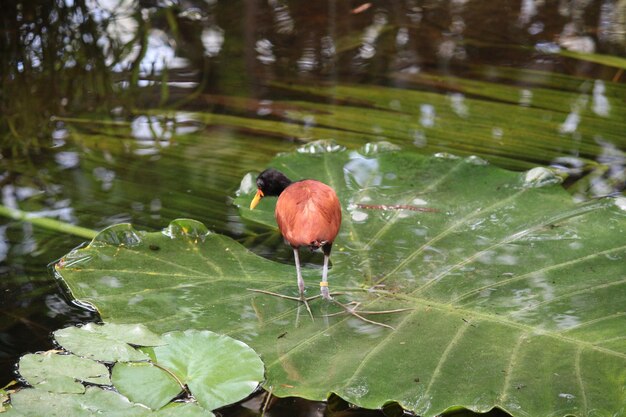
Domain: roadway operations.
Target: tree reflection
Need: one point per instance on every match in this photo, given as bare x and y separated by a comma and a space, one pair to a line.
73, 57
51, 64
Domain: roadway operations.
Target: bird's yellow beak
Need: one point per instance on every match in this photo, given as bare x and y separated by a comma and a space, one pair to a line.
256, 199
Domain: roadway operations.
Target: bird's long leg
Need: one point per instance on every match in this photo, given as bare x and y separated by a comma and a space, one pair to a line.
324, 283
296, 257
302, 298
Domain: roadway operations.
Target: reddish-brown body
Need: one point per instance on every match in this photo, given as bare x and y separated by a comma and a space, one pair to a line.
308, 213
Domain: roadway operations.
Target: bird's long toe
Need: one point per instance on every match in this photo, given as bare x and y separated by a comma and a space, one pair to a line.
325, 293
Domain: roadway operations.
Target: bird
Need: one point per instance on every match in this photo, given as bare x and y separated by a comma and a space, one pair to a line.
308, 213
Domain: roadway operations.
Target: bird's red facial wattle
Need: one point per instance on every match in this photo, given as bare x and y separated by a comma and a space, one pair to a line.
255, 201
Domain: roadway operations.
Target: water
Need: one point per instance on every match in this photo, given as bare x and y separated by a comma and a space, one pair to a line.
144, 112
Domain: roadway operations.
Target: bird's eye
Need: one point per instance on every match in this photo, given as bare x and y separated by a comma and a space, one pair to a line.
259, 183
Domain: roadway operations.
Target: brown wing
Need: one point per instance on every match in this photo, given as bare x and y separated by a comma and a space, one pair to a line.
308, 211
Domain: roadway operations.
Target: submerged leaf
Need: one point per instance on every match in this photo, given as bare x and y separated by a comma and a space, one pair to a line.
54, 372
109, 342
182, 409
608, 60
95, 401
516, 292
36, 402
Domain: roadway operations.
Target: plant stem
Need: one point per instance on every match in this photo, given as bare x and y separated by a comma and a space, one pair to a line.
47, 223
173, 375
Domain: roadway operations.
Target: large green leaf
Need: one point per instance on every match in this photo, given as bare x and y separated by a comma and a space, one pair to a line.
516, 292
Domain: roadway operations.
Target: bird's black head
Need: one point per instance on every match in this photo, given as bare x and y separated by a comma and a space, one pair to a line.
272, 182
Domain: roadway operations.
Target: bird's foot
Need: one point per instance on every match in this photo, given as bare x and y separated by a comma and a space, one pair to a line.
304, 300
324, 292
351, 308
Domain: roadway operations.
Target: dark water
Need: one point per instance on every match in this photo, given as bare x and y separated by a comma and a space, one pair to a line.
146, 111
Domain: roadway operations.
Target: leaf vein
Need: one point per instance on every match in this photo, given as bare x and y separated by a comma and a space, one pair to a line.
445, 233
394, 219
579, 378
444, 356
506, 386
507, 239
594, 321
333, 184
586, 290
535, 272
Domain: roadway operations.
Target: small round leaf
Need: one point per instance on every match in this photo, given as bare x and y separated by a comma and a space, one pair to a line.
145, 383
218, 369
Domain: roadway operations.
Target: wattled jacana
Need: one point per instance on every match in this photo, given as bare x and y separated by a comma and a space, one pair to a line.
308, 213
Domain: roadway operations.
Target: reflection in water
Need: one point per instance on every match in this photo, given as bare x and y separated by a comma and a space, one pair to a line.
541, 177
528, 10
160, 55
358, 389
282, 19
582, 44
249, 323
427, 115
120, 23
526, 97
152, 128
135, 299
111, 281
360, 327
457, 102
361, 173
566, 320
370, 36
105, 176
156, 132
308, 60
67, 160
264, 50
570, 125
601, 104
212, 39
358, 216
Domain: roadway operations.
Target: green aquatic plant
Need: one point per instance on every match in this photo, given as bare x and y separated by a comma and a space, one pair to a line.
200, 369
515, 292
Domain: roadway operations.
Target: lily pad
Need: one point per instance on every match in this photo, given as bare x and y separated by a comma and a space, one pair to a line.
182, 409
516, 292
145, 383
217, 369
95, 401
51, 371
108, 343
